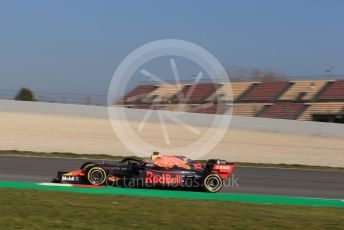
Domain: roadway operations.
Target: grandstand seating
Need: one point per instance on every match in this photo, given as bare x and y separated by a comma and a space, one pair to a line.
211, 108
138, 93
177, 107
151, 107
247, 109
283, 110
335, 91
321, 108
223, 93
163, 93
265, 91
302, 90
195, 93
320, 100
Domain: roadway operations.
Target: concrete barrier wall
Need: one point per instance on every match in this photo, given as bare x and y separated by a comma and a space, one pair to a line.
53, 108
237, 122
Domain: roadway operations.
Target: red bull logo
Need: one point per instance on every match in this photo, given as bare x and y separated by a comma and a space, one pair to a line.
162, 178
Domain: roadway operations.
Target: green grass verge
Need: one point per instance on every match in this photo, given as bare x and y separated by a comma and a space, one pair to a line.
34, 209
109, 157
250, 198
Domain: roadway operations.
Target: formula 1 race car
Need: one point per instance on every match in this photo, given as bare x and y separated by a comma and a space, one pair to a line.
162, 171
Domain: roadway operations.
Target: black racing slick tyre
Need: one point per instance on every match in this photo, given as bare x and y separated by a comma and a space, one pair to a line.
96, 176
212, 183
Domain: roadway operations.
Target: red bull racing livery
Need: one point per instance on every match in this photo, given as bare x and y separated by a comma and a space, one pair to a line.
161, 171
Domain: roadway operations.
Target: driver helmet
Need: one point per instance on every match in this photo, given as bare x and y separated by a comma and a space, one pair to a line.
154, 155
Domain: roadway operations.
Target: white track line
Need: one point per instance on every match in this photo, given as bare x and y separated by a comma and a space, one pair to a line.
55, 184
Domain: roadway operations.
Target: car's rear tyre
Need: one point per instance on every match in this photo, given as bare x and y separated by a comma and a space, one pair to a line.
212, 183
96, 176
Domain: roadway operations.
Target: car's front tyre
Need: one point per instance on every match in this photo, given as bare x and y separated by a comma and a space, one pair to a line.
96, 176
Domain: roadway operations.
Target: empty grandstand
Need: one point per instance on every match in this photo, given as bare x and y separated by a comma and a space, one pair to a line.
229, 91
323, 111
138, 93
312, 100
283, 110
248, 109
163, 93
195, 93
302, 90
211, 108
334, 91
265, 91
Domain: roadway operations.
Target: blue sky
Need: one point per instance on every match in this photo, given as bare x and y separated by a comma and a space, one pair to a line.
76, 45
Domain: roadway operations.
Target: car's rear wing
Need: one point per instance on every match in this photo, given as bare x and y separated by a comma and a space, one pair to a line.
222, 168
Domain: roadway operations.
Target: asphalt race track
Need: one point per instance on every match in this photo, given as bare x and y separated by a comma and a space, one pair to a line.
250, 180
